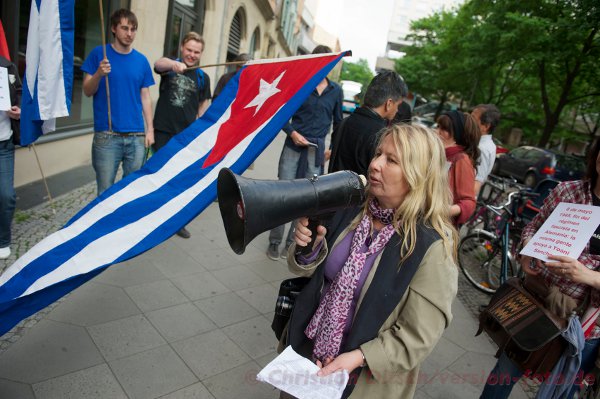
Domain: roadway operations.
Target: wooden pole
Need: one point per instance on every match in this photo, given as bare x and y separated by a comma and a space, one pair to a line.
104, 54
44, 179
211, 65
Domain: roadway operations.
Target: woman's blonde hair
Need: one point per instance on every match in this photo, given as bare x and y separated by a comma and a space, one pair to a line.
423, 161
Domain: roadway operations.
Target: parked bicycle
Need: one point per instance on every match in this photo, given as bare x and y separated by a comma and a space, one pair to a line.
493, 192
487, 258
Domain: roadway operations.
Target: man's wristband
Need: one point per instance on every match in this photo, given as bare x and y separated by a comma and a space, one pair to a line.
364, 362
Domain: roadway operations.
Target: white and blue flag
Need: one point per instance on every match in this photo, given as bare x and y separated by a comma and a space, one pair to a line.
48, 81
176, 184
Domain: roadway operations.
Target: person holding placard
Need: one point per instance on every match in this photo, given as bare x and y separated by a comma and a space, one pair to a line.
570, 282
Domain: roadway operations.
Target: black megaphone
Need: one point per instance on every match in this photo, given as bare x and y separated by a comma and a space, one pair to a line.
250, 207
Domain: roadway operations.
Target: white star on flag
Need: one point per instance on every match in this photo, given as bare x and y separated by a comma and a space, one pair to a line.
265, 91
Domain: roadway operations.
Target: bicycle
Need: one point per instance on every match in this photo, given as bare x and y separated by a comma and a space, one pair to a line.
486, 258
493, 192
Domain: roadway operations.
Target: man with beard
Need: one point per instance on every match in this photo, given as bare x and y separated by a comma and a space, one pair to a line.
184, 94
129, 77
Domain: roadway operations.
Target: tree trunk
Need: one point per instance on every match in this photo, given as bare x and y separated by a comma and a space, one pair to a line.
552, 116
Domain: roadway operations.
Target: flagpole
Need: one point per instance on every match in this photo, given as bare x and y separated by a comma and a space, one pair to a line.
210, 65
44, 179
104, 54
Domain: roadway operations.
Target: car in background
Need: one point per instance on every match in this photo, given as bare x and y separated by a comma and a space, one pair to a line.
500, 149
351, 91
530, 165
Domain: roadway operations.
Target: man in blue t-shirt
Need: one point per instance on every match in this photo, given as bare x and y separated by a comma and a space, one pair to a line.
129, 77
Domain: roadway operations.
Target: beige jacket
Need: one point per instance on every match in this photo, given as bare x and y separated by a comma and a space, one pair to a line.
411, 331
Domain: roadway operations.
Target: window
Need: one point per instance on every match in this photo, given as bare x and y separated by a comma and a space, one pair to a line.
185, 16
87, 36
236, 34
254, 48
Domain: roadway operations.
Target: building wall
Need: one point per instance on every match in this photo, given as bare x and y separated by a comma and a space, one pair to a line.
68, 153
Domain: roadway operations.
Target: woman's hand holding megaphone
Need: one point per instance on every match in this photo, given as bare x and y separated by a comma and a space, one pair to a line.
303, 233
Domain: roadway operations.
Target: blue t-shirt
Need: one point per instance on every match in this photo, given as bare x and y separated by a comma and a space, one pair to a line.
129, 74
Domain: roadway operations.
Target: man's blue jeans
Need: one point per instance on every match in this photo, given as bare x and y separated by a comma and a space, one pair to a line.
288, 165
7, 190
109, 150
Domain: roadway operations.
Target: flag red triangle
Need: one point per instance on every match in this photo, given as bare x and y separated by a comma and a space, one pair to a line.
3, 45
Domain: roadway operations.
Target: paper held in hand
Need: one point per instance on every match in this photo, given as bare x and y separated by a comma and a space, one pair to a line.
4, 90
297, 376
566, 232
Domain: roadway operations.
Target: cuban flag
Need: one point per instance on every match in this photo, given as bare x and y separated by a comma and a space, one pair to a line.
175, 185
48, 81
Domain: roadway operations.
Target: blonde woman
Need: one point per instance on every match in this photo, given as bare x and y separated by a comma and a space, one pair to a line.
384, 275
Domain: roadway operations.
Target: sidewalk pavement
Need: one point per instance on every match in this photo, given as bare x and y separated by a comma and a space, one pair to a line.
187, 319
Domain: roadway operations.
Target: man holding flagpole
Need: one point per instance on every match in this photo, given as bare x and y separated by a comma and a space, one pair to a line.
184, 94
129, 76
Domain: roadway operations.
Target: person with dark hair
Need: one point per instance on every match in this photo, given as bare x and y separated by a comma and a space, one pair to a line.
303, 153
227, 77
129, 77
460, 135
487, 117
9, 137
570, 282
355, 140
184, 94
404, 114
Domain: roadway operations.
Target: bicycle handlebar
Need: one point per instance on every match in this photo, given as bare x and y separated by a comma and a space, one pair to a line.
523, 193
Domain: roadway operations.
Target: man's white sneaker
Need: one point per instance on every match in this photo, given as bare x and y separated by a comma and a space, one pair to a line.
4, 252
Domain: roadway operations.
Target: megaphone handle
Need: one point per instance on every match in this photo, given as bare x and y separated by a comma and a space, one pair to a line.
312, 225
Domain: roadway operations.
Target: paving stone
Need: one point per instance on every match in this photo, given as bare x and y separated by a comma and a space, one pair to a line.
199, 286
132, 272
254, 336
156, 295
180, 321
196, 391
13, 389
262, 297
226, 309
238, 278
125, 337
96, 382
246, 385
50, 350
94, 303
215, 258
210, 353
269, 270
152, 373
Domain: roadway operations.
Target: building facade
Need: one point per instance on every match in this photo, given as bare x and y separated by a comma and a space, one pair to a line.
262, 28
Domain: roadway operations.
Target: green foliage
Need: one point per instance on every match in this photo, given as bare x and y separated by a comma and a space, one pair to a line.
357, 72
532, 58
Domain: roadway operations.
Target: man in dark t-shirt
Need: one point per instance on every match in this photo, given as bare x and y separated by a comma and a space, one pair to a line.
184, 94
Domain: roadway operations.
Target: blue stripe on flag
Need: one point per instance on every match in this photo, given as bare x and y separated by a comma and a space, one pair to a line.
13, 309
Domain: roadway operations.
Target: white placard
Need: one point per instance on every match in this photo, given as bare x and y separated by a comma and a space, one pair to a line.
566, 232
297, 376
4, 90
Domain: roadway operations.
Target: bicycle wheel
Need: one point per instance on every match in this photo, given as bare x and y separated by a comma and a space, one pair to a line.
480, 258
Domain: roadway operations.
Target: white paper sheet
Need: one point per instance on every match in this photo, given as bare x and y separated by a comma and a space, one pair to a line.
566, 231
4, 90
297, 376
